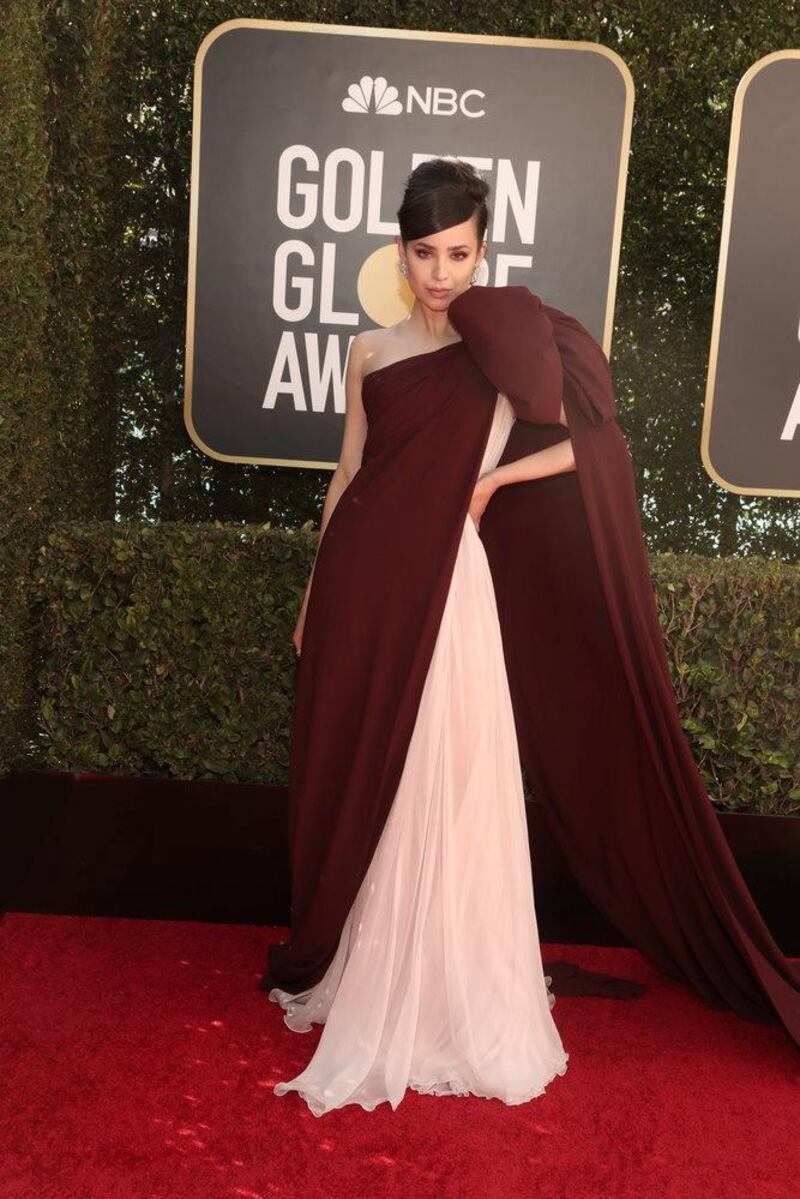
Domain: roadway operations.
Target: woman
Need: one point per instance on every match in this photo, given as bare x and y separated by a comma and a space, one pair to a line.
402, 700
384, 730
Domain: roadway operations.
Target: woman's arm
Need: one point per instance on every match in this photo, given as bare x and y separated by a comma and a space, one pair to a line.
353, 437
555, 460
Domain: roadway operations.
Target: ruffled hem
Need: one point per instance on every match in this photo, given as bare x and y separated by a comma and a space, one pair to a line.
439, 1087
556, 1069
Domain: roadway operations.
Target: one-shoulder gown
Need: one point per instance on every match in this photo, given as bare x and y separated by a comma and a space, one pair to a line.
615, 775
437, 983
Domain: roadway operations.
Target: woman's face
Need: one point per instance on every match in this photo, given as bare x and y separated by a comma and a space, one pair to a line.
440, 265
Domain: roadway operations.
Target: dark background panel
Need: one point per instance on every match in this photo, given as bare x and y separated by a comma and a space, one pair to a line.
758, 357
264, 90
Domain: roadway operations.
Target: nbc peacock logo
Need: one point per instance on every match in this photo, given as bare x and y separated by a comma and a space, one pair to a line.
372, 95
377, 95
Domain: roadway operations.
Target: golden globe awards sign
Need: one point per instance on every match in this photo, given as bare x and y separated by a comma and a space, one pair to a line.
751, 426
304, 136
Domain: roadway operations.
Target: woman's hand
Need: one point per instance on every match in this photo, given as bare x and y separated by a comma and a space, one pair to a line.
484, 490
297, 635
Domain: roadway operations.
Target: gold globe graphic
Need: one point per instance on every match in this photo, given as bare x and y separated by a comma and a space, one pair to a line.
382, 291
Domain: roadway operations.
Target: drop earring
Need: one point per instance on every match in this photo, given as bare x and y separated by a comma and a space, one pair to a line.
402, 267
474, 276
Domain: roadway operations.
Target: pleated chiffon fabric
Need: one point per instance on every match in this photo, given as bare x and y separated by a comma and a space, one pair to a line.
437, 983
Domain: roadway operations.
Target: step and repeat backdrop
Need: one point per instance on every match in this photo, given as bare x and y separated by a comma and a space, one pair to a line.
304, 136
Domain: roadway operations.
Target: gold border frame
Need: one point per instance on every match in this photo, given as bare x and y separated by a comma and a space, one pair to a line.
727, 215
370, 31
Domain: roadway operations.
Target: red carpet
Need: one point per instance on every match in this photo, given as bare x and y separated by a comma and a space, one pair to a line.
138, 1059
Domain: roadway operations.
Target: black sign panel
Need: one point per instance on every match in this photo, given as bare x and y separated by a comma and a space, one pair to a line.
304, 136
751, 426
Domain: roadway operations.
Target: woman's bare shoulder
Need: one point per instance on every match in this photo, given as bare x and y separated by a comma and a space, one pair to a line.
376, 347
377, 340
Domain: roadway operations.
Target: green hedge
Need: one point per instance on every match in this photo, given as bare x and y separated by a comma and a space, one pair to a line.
167, 651
27, 452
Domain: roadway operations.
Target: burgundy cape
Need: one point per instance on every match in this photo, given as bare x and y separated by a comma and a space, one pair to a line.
595, 711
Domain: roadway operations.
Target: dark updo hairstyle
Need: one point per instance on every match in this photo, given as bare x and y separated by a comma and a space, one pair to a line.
440, 193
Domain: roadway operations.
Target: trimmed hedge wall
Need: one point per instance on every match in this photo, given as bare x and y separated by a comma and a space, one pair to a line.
167, 651
26, 443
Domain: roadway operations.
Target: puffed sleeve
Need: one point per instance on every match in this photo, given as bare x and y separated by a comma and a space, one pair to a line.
510, 337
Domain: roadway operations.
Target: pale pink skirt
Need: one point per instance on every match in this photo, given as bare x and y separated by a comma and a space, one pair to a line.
437, 983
